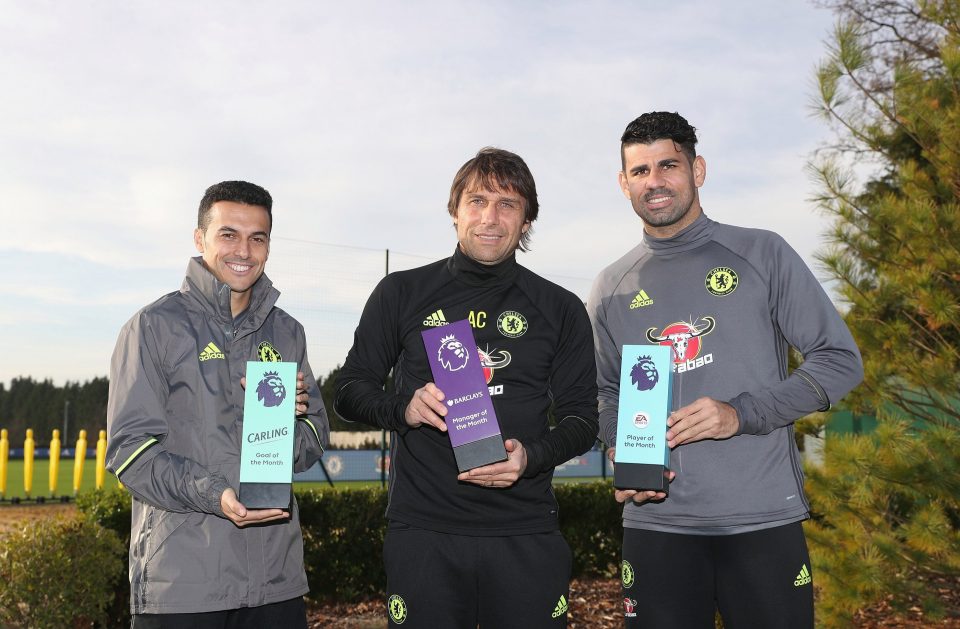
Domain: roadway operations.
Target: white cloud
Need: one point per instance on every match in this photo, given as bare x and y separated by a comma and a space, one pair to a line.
356, 117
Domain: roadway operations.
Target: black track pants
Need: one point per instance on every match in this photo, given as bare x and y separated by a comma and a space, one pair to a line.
757, 579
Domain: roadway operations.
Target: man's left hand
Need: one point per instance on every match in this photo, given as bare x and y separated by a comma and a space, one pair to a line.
302, 396
705, 418
502, 474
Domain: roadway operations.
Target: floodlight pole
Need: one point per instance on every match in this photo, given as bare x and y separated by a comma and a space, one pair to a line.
66, 420
383, 432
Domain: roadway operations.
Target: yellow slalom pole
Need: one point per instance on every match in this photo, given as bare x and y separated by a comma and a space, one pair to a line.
28, 448
54, 462
101, 458
79, 455
4, 462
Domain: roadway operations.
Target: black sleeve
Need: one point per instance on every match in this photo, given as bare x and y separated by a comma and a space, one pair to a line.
376, 348
573, 387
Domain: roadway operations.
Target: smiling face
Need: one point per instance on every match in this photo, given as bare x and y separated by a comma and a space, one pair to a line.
661, 183
235, 247
490, 223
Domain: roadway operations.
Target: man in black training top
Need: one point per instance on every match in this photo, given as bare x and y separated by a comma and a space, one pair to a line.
482, 546
198, 557
730, 302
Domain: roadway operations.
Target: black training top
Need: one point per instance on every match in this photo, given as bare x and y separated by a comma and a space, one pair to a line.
536, 346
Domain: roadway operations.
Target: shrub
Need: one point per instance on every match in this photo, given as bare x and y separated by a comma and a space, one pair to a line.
343, 534
59, 572
109, 508
590, 520
343, 531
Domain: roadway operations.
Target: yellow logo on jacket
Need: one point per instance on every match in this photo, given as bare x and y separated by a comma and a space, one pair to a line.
268, 353
210, 352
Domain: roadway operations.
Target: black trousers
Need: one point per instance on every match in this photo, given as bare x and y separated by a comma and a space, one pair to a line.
757, 579
290, 614
458, 581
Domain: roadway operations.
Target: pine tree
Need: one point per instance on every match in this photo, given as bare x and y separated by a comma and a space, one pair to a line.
887, 505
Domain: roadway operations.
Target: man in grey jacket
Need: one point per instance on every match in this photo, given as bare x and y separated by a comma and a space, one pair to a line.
730, 302
174, 421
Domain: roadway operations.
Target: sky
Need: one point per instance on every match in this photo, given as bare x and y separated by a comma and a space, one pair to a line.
117, 115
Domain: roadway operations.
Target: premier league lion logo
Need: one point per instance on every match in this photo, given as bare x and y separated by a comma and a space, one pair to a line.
271, 391
452, 354
644, 374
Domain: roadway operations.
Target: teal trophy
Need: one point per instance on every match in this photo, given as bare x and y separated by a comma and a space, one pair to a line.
266, 453
642, 457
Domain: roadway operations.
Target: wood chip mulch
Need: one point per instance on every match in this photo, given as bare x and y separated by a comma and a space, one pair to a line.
596, 603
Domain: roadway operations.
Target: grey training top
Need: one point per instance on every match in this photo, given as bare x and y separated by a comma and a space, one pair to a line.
730, 301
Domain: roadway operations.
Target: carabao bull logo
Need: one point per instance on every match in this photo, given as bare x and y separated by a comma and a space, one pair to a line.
492, 360
683, 337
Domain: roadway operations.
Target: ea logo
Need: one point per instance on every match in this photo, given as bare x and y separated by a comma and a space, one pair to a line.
641, 420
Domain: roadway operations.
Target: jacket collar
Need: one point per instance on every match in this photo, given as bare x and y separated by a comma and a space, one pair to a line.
469, 271
694, 235
213, 296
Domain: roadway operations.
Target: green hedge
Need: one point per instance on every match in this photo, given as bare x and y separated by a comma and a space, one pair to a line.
343, 533
591, 523
342, 541
60, 572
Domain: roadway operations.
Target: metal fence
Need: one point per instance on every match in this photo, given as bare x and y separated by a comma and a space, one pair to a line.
368, 465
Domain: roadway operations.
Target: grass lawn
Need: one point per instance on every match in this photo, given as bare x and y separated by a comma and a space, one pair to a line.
41, 479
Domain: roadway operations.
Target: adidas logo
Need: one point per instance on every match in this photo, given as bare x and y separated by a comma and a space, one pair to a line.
435, 320
803, 578
641, 300
210, 352
561, 607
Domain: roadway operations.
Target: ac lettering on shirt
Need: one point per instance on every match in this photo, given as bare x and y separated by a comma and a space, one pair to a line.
478, 319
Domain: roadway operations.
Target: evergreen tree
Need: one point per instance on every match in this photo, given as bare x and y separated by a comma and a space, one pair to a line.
887, 505
40, 405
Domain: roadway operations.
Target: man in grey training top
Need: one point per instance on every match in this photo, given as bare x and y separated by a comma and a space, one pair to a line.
730, 302
198, 556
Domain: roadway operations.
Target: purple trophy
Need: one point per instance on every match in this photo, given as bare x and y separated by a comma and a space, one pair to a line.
471, 420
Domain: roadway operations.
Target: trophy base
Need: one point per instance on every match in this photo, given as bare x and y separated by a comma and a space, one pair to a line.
480, 452
641, 476
265, 495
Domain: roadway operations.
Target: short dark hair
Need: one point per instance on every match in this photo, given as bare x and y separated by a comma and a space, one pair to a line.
660, 125
237, 192
496, 168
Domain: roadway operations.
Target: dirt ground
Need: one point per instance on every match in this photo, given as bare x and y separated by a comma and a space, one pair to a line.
12, 516
594, 603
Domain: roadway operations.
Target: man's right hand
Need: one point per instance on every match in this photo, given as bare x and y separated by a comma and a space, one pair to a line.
234, 510
639, 497
426, 407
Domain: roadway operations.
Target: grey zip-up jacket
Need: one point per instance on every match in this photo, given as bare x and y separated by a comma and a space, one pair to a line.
174, 422
730, 301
